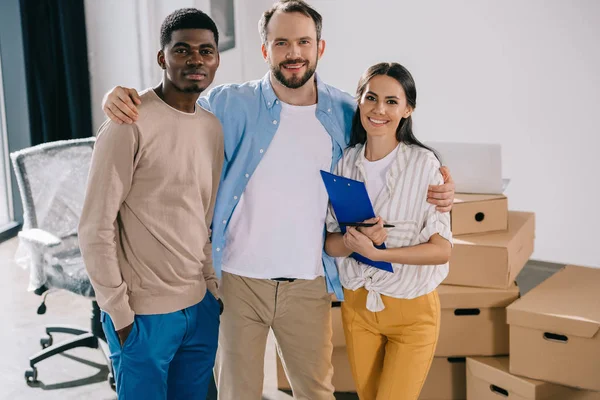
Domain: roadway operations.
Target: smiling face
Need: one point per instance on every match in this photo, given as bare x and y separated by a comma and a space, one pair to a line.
382, 106
292, 49
190, 60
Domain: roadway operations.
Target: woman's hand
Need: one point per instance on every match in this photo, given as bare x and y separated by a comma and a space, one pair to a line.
359, 243
376, 233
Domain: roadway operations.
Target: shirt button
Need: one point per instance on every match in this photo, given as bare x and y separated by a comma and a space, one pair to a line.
261, 151
235, 197
224, 221
218, 249
276, 101
329, 110
274, 122
247, 176
269, 103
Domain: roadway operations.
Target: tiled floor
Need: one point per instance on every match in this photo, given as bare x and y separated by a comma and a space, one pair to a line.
81, 374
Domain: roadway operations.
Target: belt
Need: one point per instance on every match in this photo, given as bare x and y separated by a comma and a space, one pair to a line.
284, 279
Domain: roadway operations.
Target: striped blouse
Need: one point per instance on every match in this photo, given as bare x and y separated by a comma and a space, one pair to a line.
402, 202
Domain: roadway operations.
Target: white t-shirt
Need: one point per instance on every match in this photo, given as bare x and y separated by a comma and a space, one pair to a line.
376, 171
276, 230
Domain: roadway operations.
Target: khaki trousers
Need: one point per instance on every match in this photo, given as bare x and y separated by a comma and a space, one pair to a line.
299, 313
391, 351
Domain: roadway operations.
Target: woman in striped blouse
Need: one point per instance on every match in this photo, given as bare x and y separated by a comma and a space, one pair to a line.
391, 320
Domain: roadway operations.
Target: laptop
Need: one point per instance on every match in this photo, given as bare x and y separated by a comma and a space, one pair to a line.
475, 167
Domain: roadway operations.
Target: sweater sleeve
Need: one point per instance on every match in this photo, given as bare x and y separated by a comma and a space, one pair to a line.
109, 182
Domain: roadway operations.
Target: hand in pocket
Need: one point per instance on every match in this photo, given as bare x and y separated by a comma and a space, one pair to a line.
124, 333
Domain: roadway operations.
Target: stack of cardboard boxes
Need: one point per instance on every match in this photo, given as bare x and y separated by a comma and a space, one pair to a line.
552, 333
491, 247
554, 330
554, 344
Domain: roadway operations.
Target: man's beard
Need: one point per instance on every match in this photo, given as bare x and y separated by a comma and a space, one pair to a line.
192, 89
188, 89
293, 82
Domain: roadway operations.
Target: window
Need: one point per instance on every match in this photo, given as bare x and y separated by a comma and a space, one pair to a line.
6, 212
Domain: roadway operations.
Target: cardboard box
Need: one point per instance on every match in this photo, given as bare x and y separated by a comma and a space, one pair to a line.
493, 260
282, 382
479, 213
337, 337
554, 330
488, 378
473, 321
342, 374
446, 380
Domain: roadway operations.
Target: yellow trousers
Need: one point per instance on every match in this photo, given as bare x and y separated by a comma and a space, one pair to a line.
390, 351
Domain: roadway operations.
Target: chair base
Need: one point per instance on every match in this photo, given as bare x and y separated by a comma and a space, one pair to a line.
72, 330
93, 339
82, 338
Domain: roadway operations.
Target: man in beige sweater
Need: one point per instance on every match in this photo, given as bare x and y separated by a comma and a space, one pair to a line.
144, 229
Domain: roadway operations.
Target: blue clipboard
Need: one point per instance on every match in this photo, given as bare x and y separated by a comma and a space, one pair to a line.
350, 201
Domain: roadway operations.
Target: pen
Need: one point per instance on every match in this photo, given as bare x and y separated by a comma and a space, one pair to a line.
364, 225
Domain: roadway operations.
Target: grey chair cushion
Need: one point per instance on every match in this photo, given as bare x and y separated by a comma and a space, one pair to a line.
52, 180
66, 271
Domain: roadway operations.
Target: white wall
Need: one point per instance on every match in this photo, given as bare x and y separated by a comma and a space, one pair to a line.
254, 64
113, 53
521, 73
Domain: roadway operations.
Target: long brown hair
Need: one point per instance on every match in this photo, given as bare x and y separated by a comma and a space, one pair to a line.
404, 132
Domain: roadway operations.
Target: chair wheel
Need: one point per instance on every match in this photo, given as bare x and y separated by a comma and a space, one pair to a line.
46, 342
31, 375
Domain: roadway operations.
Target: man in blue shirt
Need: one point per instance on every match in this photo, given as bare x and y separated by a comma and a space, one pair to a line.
268, 226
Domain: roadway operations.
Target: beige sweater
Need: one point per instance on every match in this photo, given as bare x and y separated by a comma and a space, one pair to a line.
144, 229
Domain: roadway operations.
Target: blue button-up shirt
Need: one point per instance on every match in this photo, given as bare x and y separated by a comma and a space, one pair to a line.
249, 113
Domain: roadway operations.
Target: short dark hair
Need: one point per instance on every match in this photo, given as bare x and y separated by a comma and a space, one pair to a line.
289, 6
186, 18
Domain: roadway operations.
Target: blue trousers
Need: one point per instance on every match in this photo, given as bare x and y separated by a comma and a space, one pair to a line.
166, 356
